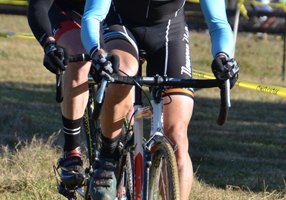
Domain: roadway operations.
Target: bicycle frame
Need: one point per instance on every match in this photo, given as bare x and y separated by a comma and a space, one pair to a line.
141, 161
142, 149
138, 154
141, 166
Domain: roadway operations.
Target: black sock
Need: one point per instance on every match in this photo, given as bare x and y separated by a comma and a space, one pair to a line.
71, 132
109, 147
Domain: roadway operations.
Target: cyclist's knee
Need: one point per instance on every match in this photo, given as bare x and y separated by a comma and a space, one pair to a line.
176, 131
178, 136
129, 66
78, 71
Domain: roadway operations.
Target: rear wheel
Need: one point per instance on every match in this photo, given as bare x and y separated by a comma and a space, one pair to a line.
126, 166
164, 180
91, 126
92, 131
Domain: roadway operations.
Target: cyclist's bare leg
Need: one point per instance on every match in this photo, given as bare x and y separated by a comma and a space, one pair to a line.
75, 80
177, 116
119, 97
73, 106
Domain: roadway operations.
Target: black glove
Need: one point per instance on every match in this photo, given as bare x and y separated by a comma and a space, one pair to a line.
56, 58
104, 65
224, 68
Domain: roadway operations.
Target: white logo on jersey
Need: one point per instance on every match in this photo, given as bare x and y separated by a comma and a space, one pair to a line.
187, 68
186, 35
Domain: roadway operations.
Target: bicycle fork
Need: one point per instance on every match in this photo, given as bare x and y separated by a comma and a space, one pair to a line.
138, 152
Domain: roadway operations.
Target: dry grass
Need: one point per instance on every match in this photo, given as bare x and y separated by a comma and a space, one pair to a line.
27, 172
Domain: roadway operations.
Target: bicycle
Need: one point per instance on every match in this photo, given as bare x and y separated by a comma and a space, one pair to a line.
147, 168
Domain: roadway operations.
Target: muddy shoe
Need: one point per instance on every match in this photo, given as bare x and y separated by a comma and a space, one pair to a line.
103, 182
72, 173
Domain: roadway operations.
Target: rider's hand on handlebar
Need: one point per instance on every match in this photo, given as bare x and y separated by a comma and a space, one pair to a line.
104, 64
224, 68
56, 58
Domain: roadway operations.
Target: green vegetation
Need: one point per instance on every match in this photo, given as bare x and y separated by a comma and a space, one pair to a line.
244, 159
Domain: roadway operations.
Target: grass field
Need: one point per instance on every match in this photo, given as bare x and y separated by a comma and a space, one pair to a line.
244, 159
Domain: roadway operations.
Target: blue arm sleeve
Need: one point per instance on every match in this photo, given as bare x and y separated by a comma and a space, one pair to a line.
95, 12
220, 31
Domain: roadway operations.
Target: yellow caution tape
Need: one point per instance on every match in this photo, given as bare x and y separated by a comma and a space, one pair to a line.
14, 2
270, 89
20, 35
193, 1
243, 10
202, 74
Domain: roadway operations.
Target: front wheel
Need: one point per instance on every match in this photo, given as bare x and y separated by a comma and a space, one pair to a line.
164, 180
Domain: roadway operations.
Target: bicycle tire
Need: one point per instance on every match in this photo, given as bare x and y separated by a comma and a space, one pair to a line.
129, 176
91, 125
91, 130
163, 178
126, 166
129, 165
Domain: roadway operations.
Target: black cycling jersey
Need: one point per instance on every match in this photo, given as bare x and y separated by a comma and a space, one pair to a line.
144, 12
75, 5
147, 12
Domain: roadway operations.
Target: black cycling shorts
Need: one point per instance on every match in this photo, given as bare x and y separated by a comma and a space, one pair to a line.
166, 44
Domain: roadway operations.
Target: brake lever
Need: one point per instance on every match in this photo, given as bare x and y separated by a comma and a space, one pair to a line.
59, 86
227, 88
106, 77
225, 102
100, 91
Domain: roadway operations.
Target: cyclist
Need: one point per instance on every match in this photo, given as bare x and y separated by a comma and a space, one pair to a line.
56, 26
158, 27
